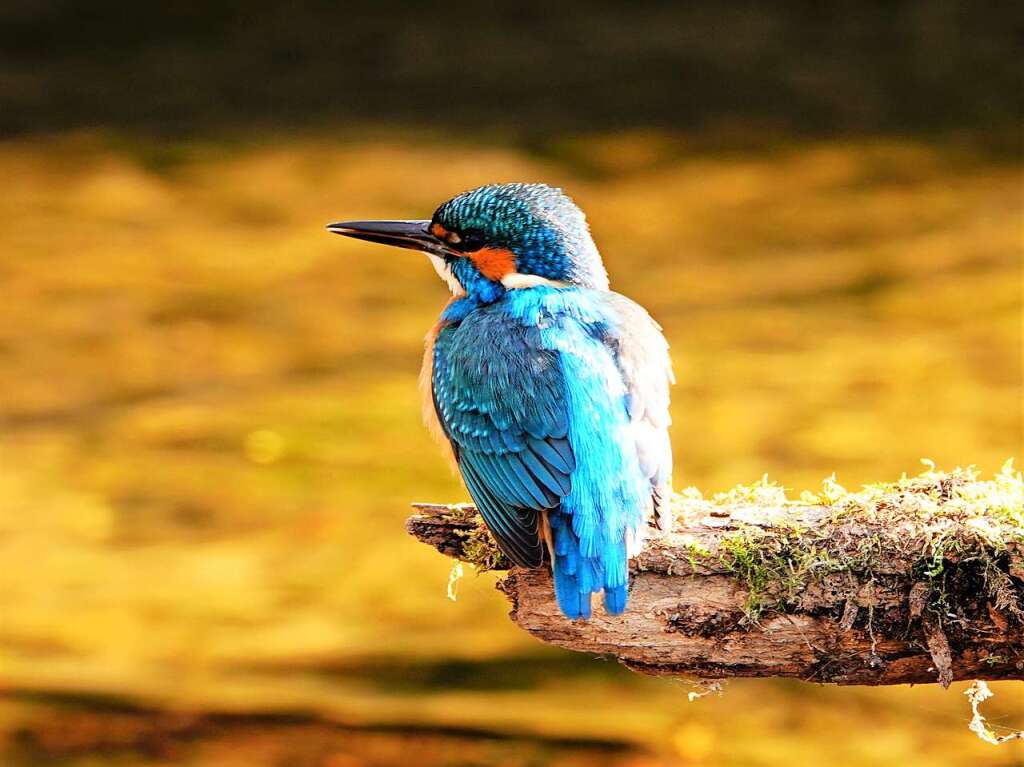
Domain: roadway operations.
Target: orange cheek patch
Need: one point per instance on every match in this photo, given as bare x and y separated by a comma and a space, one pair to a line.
494, 263
439, 231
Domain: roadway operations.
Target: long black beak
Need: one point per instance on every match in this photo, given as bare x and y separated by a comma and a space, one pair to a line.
403, 234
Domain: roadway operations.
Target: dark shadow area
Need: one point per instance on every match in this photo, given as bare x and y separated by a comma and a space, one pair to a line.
76, 732
741, 71
512, 672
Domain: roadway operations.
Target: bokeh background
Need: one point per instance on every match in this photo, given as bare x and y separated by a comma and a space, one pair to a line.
209, 426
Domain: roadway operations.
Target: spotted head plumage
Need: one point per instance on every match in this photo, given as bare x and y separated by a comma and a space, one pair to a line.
499, 237
504, 231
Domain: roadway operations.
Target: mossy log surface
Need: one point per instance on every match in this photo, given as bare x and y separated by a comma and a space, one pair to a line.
920, 580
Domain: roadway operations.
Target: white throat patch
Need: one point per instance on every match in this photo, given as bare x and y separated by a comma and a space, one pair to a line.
444, 271
515, 280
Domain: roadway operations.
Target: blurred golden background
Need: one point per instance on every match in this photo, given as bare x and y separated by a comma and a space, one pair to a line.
209, 428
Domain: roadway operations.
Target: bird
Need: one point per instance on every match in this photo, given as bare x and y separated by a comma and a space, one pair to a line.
549, 390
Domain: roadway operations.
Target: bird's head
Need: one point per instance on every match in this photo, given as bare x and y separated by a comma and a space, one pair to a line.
496, 238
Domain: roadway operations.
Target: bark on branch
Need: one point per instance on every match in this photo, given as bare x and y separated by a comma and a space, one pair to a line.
916, 581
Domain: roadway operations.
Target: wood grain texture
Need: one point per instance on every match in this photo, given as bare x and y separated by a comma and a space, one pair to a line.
878, 619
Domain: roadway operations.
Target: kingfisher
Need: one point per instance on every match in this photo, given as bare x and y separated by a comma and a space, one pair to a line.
550, 391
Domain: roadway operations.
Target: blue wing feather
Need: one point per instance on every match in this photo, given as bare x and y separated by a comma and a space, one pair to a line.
540, 404
550, 455
516, 530
498, 401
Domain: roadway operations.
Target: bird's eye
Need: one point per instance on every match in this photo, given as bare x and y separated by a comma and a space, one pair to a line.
446, 235
465, 241
468, 240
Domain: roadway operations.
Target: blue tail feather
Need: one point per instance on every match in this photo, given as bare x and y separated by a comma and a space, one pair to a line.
615, 599
577, 576
572, 602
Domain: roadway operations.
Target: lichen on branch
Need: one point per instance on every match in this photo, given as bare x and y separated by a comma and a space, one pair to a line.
925, 522
920, 579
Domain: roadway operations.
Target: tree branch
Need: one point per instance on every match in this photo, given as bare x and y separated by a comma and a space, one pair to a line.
921, 580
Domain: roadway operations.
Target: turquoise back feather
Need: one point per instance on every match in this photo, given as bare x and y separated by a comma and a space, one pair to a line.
531, 396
